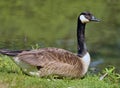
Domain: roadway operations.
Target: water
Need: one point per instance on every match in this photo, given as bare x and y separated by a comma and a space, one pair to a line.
23, 25
97, 64
100, 64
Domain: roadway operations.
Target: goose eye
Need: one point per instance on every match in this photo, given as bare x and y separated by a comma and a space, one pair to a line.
88, 17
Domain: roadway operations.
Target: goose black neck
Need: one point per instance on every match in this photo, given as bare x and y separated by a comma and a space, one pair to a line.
82, 49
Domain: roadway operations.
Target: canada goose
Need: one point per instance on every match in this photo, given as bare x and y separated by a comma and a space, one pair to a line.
54, 61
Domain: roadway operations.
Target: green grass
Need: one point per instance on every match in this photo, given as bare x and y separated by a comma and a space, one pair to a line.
12, 77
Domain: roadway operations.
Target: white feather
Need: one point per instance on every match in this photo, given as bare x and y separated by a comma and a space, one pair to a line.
34, 73
86, 62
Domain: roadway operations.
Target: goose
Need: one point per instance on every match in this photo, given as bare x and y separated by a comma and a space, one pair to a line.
56, 61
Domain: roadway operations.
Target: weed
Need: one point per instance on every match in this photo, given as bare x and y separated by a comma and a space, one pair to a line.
110, 75
36, 46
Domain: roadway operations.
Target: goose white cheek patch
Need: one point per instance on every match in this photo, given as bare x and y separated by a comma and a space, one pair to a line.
83, 19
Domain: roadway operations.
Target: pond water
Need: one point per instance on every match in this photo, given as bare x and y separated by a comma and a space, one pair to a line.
98, 63
44, 23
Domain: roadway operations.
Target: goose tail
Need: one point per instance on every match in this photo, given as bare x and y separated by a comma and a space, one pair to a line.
11, 52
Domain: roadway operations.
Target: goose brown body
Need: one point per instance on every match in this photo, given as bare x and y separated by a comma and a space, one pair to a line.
53, 61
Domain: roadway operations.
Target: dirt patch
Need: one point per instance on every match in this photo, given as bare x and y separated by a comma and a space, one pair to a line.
3, 85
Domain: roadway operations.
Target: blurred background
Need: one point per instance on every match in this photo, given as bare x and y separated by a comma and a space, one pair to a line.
52, 23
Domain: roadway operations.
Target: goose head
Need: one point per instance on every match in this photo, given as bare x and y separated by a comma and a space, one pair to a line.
86, 17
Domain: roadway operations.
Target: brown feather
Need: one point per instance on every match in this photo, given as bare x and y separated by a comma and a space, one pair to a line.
54, 61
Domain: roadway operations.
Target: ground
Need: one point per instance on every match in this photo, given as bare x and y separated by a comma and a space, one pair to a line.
12, 77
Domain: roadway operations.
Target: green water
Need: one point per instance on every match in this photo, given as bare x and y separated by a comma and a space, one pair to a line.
23, 24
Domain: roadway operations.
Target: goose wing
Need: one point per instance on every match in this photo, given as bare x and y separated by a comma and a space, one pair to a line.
41, 57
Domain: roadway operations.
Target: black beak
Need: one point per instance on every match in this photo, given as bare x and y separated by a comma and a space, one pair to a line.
94, 19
